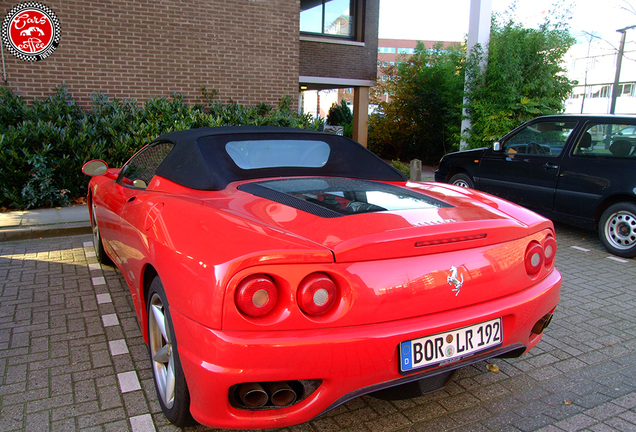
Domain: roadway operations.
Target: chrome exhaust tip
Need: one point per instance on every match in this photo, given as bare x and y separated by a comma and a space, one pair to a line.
252, 395
272, 395
542, 324
280, 393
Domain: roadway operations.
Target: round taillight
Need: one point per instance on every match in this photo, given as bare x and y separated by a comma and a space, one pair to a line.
317, 294
549, 250
534, 258
256, 295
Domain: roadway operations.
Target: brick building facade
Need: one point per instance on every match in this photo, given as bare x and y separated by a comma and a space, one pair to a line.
249, 51
150, 48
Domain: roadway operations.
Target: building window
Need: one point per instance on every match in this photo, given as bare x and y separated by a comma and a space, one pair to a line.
386, 50
406, 50
626, 89
600, 91
605, 91
328, 17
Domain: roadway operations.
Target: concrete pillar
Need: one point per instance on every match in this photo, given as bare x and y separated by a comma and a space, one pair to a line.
478, 33
361, 114
416, 170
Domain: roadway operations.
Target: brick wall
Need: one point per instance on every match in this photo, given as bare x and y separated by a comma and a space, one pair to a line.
345, 61
245, 49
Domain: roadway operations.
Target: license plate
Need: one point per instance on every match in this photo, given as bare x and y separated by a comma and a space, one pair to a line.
450, 346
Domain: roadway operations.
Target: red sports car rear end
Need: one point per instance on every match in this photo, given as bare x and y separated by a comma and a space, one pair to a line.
286, 283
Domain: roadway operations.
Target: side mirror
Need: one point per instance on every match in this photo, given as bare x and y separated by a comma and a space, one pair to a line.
95, 167
139, 183
496, 146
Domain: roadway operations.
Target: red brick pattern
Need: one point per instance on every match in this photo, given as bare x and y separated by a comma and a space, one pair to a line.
247, 50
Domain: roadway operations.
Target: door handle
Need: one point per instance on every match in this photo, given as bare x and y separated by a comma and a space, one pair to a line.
550, 165
131, 199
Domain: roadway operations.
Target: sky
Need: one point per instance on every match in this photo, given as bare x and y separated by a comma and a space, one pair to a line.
447, 20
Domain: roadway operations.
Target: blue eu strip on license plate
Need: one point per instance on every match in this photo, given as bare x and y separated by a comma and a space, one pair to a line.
450, 346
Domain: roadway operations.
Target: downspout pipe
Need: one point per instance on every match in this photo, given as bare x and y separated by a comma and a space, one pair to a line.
4, 69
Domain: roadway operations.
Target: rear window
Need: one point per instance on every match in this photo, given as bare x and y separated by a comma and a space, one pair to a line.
332, 197
278, 153
607, 140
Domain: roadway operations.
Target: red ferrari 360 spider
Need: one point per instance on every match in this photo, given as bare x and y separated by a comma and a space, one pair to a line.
278, 273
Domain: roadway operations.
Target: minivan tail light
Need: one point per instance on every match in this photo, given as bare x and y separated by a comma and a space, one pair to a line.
317, 294
256, 295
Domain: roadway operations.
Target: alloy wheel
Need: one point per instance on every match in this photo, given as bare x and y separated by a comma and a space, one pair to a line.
161, 351
96, 238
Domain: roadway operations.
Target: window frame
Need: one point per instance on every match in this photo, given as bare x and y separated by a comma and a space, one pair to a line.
611, 128
353, 21
514, 142
126, 181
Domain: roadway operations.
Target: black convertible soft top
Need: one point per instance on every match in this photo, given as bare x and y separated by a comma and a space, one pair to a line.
199, 159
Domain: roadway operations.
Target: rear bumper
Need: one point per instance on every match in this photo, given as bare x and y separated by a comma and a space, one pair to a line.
350, 361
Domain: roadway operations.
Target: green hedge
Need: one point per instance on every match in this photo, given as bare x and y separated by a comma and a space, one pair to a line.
44, 144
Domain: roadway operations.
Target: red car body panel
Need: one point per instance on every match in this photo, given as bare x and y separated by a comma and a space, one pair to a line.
392, 271
346, 359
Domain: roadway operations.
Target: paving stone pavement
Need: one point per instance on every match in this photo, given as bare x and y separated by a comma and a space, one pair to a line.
72, 356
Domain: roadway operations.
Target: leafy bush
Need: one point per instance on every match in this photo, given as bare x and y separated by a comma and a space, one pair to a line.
404, 168
44, 144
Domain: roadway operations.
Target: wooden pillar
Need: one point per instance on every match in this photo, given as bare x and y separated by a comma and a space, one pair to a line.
361, 114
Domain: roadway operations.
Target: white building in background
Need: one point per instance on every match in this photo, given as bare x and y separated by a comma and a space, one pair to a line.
593, 65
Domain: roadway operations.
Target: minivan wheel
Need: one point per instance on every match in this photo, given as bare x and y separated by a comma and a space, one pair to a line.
462, 180
617, 229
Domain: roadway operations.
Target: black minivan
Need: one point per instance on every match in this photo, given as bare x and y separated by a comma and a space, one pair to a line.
577, 169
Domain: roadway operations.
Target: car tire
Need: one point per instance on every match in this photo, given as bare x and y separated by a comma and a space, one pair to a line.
617, 229
100, 253
463, 180
170, 383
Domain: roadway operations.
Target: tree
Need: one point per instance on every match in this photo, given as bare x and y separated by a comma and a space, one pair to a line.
341, 115
524, 78
423, 117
